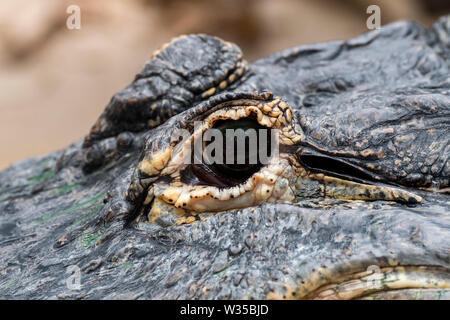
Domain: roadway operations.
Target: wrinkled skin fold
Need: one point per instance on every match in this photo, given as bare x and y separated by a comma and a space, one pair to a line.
354, 206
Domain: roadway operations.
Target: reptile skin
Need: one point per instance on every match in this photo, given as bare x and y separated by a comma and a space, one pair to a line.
354, 205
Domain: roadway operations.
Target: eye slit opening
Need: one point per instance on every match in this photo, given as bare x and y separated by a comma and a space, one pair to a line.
336, 168
229, 174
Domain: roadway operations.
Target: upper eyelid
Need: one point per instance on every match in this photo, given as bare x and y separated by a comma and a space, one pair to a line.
220, 101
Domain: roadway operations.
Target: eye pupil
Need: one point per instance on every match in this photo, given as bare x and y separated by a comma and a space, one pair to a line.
245, 160
236, 167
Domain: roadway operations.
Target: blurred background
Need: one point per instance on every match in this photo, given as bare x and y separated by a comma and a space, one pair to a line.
55, 82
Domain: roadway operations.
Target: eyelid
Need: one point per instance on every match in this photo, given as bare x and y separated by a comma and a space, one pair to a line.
207, 176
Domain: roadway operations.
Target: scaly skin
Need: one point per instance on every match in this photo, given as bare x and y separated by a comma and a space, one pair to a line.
354, 206
181, 73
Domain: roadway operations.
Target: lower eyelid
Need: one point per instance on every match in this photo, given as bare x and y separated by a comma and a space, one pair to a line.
206, 176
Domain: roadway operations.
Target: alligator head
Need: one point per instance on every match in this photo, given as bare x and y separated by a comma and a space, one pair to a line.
358, 149
351, 200
338, 145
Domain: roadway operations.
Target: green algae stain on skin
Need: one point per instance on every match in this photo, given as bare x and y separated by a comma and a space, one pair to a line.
66, 188
442, 292
47, 171
95, 209
126, 266
90, 238
72, 209
45, 175
9, 285
418, 295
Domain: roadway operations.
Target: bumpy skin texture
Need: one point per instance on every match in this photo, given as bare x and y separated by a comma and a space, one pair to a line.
372, 117
377, 102
177, 76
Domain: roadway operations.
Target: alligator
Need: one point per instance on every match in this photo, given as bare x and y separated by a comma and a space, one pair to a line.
355, 205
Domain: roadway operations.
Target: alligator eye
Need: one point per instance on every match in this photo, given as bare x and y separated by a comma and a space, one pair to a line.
244, 146
197, 174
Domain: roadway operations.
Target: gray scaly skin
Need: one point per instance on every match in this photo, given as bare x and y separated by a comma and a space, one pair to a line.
363, 119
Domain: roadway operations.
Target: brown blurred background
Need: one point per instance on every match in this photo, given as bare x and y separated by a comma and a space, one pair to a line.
54, 82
